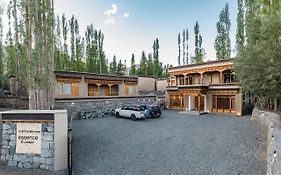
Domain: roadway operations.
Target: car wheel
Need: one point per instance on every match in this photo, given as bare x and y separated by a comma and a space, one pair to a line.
117, 114
133, 117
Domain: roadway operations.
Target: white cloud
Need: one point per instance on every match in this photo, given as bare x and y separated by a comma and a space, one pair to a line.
112, 11
126, 15
109, 21
112, 18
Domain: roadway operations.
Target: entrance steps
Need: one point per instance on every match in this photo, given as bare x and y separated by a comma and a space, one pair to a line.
193, 112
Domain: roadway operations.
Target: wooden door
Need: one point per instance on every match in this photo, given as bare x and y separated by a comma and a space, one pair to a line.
75, 89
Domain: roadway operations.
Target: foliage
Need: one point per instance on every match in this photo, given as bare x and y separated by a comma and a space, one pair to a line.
133, 65
222, 42
199, 51
179, 45
240, 32
258, 65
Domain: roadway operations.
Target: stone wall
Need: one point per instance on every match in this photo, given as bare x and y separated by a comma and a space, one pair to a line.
13, 102
272, 122
99, 106
43, 161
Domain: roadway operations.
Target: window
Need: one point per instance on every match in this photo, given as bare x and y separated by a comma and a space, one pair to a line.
67, 89
129, 90
190, 80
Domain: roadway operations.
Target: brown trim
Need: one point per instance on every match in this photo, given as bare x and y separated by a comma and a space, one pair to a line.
59, 99
206, 63
131, 83
103, 82
28, 121
93, 75
27, 117
68, 80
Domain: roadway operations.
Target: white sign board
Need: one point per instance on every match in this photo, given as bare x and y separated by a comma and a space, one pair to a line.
28, 138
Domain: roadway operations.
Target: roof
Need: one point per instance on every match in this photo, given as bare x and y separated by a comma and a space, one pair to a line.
202, 64
75, 74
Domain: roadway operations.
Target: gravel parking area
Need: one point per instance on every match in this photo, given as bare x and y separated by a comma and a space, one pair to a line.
173, 144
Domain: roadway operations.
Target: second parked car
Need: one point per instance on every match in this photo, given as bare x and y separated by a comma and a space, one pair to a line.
152, 111
132, 112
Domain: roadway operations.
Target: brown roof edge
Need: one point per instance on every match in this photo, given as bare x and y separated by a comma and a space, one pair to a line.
207, 62
76, 74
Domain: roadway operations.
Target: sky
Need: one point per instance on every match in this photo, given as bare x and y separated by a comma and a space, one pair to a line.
131, 26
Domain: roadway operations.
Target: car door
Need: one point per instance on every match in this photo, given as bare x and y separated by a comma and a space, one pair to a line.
122, 112
129, 111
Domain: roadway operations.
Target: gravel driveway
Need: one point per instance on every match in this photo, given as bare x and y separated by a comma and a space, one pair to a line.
177, 144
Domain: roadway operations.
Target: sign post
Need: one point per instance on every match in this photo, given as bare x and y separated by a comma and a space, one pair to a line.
35, 139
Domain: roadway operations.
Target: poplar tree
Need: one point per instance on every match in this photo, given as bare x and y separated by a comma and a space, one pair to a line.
113, 66
59, 62
240, 31
179, 45
199, 51
72, 43
150, 65
65, 30
133, 65
1, 49
222, 42
142, 71
186, 39
183, 47
156, 63
258, 65
10, 47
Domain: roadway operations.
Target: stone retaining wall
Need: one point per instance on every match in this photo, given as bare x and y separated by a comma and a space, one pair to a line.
13, 102
99, 106
273, 124
43, 161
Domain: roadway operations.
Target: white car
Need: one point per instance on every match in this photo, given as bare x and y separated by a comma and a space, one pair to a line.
132, 112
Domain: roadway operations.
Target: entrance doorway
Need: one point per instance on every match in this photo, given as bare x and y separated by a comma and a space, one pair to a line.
223, 103
199, 103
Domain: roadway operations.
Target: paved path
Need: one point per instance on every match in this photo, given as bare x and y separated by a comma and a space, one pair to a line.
177, 144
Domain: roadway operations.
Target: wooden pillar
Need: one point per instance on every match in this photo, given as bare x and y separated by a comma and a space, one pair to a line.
110, 89
201, 77
229, 104
217, 103
199, 102
98, 89
184, 80
181, 102
221, 77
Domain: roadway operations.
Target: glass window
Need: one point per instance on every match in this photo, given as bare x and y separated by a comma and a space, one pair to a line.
67, 89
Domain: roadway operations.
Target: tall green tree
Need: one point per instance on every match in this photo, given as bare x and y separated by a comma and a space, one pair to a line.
59, 62
121, 68
113, 66
65, 30
10, 46
142, 71
72, 23
1, 49
240, 31
199, 51
186, 39
150, 65
133, 65
183, 47
258, 65
179, 45
156, 62
222, 42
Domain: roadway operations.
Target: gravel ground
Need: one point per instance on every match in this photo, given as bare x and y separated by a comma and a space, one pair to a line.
173, 144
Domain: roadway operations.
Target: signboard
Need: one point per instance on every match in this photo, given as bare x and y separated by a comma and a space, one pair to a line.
28, 139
